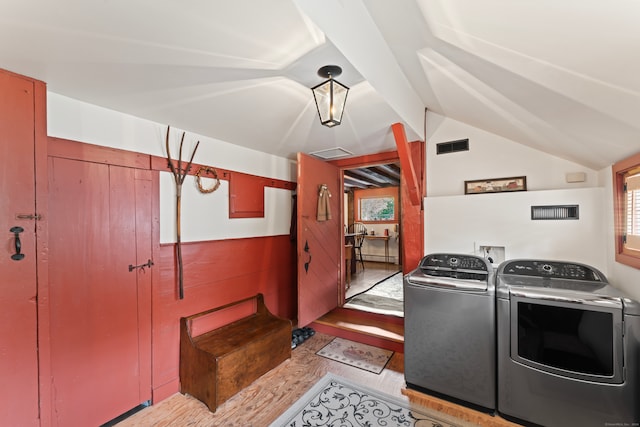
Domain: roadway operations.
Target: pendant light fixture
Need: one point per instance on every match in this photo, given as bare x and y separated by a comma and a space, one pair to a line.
330, 96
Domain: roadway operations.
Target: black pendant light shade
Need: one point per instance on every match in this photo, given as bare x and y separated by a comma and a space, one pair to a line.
330, 96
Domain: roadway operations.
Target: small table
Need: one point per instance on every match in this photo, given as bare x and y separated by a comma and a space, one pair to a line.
386, 244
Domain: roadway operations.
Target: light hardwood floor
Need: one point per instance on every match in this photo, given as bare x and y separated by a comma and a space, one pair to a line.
269, 396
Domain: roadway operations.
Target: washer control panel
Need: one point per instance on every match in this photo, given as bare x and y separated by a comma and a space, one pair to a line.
453, 262
552, 269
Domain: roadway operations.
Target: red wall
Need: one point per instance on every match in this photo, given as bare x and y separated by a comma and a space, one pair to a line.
215, 273
22, 129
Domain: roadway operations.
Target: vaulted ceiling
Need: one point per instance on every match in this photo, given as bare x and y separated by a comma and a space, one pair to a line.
558, 76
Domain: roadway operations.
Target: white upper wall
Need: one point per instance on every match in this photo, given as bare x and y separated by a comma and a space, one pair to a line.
455, 222
204, 216
491, 156
461, 224
76, 120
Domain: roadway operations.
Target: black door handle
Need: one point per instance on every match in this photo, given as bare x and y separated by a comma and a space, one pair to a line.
308, 263
16, 233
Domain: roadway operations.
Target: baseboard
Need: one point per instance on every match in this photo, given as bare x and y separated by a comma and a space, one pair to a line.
164, 391
458, 411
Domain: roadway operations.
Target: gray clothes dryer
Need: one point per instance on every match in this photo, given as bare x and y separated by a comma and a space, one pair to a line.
450, 344
568, 346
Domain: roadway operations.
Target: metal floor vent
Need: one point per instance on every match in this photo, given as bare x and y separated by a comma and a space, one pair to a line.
452, 146
332, 153
555, 212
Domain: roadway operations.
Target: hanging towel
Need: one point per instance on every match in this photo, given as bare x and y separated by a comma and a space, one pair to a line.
324, 210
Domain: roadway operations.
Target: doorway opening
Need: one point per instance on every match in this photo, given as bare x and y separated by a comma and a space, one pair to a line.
372, 206
371, 328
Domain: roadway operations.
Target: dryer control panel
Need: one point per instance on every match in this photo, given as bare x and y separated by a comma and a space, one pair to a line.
553, 270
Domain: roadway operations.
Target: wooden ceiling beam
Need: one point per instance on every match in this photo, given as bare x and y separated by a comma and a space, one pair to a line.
406, 163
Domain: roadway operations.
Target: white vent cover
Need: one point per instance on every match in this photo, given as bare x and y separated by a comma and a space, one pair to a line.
576, 177
332, 153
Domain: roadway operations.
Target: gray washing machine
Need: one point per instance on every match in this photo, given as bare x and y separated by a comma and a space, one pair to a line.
449, 329
568, 346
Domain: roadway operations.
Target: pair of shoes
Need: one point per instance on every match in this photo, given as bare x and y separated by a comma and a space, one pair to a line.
300, 335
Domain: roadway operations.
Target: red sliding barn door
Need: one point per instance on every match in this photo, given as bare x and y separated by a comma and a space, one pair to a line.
18, 319
99, 309
318, 241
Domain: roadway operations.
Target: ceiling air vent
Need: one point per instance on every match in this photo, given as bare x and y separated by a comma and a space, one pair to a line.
452, 146
332, 153
555, 212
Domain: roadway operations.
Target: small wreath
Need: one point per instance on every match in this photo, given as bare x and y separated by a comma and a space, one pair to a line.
207, 169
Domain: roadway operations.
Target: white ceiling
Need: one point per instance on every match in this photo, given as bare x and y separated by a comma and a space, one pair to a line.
559, 76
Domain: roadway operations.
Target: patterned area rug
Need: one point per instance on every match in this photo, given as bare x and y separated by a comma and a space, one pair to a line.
385, 297
335, 401
363, 356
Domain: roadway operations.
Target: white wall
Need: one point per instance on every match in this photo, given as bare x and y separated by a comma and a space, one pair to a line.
455, 222
461, 224
491, 156
204, 216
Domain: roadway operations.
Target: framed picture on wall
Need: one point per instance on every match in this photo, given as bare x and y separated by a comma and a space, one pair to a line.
495, 185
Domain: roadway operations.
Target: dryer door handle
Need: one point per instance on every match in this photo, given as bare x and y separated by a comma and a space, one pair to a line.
554, 295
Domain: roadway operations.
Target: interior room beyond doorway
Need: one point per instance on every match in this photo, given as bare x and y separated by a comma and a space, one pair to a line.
372, 225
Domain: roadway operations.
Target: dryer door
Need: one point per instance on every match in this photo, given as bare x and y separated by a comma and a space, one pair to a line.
575, 338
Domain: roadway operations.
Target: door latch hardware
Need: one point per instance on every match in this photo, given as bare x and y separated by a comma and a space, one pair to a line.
37, 217
18, 246
308, 263
141, 266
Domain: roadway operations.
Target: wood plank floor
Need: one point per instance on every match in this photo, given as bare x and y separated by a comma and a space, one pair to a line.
269, 396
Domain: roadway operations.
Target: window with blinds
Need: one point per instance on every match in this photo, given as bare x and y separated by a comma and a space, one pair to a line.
631, 238
626, 206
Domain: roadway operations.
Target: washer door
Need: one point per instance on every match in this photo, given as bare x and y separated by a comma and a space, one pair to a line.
571, 337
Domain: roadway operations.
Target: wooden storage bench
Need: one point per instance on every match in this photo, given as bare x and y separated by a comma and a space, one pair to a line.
242, 341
